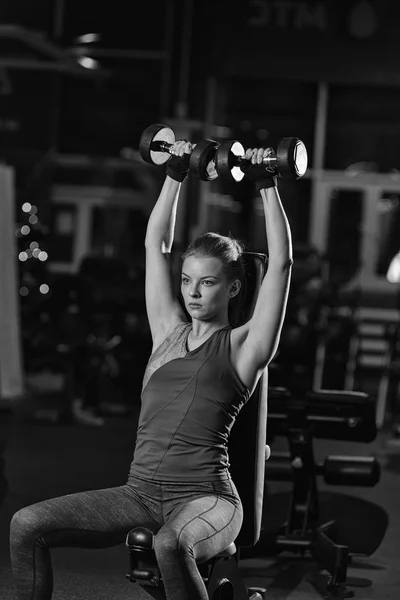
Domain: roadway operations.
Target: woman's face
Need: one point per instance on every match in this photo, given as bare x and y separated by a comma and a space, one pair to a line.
205, 288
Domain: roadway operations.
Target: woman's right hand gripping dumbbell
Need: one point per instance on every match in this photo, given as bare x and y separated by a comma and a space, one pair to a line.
178, 165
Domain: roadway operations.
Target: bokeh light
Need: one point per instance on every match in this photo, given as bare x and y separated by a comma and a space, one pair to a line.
44, 288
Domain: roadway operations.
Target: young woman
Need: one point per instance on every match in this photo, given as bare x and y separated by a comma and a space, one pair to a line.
199, 375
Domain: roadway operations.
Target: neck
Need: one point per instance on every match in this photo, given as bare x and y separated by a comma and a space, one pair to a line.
201, 329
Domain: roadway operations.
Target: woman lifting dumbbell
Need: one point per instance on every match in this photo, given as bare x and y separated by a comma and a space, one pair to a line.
199, 375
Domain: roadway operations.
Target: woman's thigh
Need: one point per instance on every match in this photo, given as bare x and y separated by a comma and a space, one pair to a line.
205, 526
90, 519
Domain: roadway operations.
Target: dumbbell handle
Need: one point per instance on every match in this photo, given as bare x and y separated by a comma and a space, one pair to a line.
267, 160
159, 146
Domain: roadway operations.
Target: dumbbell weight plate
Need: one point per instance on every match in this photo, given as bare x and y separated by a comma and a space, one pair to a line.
155, 133
226, 161
203, 153
291, 158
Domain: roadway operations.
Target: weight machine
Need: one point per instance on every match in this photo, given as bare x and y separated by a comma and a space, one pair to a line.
323, 414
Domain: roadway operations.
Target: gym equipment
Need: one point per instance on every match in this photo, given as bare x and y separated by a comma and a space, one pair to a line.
155, 148
210, 159
338, 415
155, 144
289, 161
202, 160
221, 574
327, 414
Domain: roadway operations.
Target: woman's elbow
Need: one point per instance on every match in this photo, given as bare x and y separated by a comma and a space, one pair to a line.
281, 264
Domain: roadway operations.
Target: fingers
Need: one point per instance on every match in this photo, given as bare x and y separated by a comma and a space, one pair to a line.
211, 170
181, 147
260, 155
256, 155
188, 148
268, 152
248, 154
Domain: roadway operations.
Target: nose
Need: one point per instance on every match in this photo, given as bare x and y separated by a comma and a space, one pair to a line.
194, 291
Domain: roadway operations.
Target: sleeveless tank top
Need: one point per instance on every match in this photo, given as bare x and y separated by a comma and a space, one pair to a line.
190, 401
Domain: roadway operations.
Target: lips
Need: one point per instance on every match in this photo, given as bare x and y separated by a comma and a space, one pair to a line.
194, 305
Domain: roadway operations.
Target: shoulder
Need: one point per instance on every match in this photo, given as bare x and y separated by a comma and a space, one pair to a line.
177, 329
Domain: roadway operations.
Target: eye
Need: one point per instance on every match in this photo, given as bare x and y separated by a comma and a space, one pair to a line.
208, 282
185, 280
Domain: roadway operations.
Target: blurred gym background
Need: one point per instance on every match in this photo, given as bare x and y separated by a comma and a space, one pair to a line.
80, 81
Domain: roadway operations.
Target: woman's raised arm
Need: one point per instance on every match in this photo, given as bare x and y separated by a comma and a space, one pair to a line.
163, 308
264, 328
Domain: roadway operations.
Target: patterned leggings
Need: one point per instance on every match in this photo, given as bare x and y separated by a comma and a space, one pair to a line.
193, 522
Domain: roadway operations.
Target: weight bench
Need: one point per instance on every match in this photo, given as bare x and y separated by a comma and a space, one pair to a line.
326, 414
247, 455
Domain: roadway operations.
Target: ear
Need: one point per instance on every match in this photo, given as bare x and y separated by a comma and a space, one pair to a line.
235, 288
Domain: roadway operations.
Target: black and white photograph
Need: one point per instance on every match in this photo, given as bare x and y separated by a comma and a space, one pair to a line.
199, 300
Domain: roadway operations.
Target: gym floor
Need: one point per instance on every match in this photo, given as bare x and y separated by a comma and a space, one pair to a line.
45, 460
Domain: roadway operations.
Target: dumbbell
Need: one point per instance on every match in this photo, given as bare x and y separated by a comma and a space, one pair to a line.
289, 161
155, 148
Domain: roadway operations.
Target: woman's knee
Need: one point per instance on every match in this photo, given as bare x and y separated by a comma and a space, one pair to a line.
169, 540
25, 523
